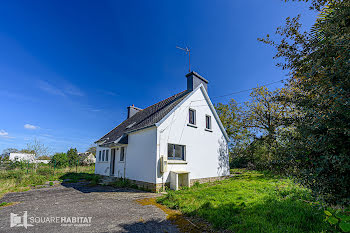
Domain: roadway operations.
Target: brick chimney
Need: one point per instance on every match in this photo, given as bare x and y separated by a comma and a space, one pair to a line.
194, 80
132, 110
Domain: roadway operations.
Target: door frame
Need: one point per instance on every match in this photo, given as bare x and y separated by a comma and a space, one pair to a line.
112, 165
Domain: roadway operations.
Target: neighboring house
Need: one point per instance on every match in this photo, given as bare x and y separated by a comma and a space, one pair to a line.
45, 161
22, 157
176, 142
87, 158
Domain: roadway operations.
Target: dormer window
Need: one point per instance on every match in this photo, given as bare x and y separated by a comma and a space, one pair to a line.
192, 116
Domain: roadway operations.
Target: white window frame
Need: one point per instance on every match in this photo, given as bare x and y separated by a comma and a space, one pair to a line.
194, 116
100, 155
122, 149
210, 125
103, 155
106, 158
172, 157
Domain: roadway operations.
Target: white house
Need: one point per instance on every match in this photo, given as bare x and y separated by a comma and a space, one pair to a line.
87, 158
177, 141
22, 157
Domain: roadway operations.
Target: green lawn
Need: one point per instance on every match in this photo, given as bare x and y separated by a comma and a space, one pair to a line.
17, 180
251, 202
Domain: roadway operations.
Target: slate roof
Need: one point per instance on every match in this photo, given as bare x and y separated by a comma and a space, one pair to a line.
143, 119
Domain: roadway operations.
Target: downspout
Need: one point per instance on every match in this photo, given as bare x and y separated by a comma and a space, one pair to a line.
124, 162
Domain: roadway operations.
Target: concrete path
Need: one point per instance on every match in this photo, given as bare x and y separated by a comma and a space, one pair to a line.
55, 209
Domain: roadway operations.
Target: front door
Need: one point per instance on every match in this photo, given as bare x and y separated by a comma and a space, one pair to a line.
112, 162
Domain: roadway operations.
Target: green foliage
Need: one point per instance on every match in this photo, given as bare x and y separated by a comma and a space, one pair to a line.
338, 219
72, 155
59, 160
92, 149
251, 202
319, 65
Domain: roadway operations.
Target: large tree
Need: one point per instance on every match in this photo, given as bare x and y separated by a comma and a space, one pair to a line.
319, 64
72, 155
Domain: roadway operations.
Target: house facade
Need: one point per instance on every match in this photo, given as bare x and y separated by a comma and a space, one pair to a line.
179, 140
22, 157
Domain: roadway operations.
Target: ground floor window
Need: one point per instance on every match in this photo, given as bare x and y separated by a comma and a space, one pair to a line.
176, 151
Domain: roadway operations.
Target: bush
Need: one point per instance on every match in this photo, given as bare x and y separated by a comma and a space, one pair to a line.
45, 171
60, 159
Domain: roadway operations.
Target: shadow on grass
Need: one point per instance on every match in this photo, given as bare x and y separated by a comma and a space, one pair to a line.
270, 215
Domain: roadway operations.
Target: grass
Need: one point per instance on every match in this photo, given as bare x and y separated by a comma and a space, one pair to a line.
17, 180
251, 202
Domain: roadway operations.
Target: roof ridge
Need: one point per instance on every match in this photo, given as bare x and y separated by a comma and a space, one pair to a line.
143, 111
160, 101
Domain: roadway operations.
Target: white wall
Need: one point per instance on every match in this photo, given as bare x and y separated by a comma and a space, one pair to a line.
141, 155
21, 157
102, 167
206, 152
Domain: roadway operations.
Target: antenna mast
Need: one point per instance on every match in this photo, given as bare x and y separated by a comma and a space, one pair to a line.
188, 51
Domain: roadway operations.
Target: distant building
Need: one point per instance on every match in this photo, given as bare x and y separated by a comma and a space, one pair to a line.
22, 157
87, 158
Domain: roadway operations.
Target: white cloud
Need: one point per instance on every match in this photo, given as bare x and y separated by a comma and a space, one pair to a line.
72, 90
45, 86
29, 126
3, 133
64, 89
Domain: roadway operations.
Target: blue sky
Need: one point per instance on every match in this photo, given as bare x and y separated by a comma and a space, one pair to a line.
69, 69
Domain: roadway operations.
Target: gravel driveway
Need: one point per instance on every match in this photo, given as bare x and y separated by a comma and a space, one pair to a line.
55, 209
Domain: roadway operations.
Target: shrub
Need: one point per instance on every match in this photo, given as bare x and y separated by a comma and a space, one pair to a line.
60, 159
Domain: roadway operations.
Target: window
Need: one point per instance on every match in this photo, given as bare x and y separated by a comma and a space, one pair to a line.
99, 156
107, 152
192, 116
103, 155
176, 151
122, 154
208, 122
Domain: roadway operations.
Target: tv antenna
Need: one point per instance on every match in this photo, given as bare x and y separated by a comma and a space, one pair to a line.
188, 51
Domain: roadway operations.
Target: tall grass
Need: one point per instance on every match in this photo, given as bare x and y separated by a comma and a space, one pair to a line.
18, 179
252, 202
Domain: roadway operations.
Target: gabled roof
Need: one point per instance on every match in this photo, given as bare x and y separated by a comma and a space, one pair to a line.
143, 119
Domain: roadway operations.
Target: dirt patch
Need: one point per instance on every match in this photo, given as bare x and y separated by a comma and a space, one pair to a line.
184, 224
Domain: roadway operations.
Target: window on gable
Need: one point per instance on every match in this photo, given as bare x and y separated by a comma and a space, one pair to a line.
107, 152
122, 154
192, 116
103, 155
99, 156
176, 151
208, 122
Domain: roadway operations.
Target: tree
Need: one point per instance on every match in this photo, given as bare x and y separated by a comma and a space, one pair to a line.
6, 152
72, 155
318, 62
265, 113
26, 151
37, 148
92, 149
60, 160
231, 117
